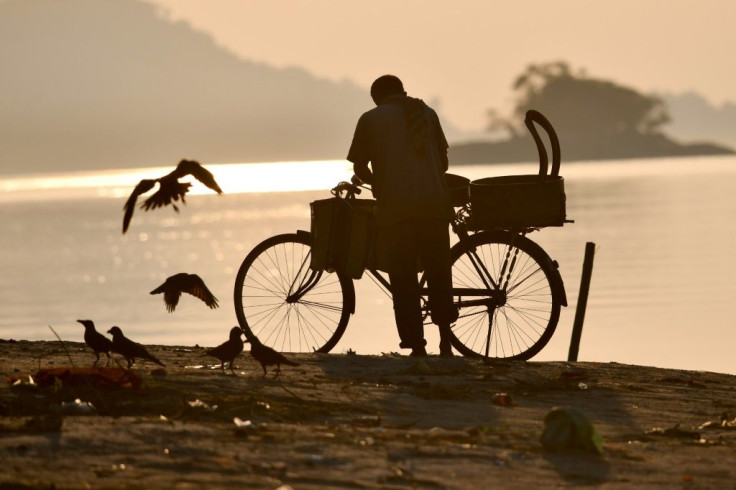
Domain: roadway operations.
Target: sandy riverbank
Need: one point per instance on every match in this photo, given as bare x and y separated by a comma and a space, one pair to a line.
348, 421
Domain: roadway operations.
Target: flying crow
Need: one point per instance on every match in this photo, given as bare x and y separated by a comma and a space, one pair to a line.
184, 283
169, 189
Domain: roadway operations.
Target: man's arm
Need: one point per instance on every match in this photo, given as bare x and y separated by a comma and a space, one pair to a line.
442, 145
363, 172
444, 161
360, 153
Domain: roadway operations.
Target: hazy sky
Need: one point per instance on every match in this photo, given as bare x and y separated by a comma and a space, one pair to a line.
466, 53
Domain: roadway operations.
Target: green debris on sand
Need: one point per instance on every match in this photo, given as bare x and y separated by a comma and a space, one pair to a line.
569, 429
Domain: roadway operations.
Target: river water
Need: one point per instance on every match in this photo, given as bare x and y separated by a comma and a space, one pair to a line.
662, 290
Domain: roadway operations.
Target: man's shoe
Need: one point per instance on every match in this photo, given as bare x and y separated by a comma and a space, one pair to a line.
446, 350
418, 352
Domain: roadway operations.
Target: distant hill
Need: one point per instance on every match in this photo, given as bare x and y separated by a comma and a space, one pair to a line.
92, 84
96, 84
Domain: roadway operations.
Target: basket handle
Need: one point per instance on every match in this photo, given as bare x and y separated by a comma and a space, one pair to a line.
532, 117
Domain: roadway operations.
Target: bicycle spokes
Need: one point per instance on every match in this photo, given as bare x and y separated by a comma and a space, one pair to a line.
284, 303
480, 268
510, 266
502, 288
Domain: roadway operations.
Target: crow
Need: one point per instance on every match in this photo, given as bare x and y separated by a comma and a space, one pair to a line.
129, 349
267, 356
229, 350
184, 283
169, 189
96, 340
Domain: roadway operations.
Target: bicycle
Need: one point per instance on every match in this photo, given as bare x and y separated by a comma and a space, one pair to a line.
507, 289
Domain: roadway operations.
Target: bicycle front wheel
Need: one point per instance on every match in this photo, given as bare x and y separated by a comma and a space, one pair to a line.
287, 305
504, 287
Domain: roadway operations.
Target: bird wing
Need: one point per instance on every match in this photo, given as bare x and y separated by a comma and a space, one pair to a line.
196, 287
137, 350
143, 186
279, 358
161, 288
169, 190
99, 342
123, 346
171, 298
195, 169
267, 355
172, 291
220, 351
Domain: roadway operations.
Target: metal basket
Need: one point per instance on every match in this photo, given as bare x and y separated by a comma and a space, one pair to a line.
522, 201
517, 201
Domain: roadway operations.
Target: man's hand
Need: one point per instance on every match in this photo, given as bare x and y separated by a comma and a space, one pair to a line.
363, 172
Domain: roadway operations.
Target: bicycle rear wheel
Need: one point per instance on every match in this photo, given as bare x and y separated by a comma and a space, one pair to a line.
507, 294
287, 305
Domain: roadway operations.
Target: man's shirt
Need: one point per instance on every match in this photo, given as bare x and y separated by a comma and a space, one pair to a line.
406, 183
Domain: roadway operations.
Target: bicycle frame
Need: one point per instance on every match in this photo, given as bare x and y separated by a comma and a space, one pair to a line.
492, 296
506, 287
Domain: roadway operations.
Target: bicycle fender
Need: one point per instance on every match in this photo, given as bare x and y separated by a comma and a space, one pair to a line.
556, 280
350, 300
558, 284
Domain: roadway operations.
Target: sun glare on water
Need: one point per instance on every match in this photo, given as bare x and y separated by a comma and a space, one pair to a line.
233, 178
281, 176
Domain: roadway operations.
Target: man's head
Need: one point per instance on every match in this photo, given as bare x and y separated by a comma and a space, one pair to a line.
384, 86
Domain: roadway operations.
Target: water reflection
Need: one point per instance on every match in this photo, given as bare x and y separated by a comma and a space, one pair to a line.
661, 291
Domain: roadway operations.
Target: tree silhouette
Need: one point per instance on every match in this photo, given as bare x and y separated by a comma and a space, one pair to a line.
583, 108
594, 119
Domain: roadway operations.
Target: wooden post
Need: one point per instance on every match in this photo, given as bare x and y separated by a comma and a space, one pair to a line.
577, 326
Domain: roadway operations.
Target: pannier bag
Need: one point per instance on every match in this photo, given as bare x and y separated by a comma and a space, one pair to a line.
343, 231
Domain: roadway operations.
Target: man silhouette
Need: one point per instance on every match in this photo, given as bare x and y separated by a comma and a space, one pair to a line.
403, 141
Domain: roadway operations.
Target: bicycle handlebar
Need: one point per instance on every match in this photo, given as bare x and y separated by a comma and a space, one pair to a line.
349, 190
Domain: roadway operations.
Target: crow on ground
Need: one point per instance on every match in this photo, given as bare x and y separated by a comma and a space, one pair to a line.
229, 350
267, 356
97, 341
129, 349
